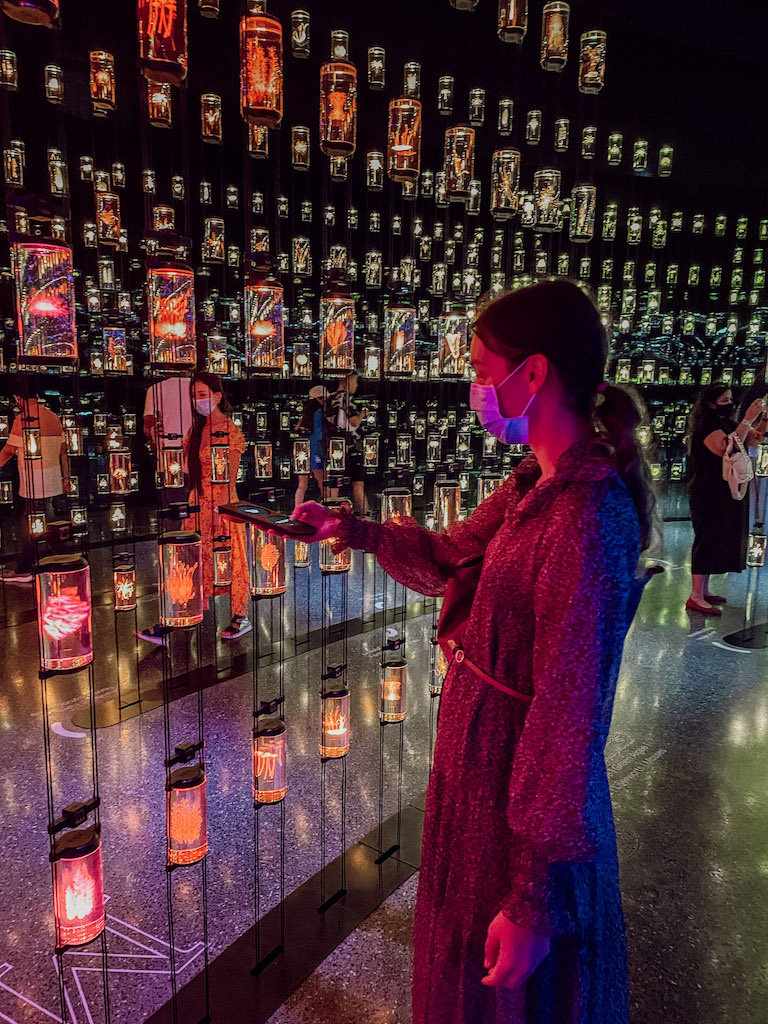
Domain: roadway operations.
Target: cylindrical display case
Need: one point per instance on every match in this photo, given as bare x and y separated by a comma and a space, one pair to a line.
181, 579
222, 566
505, 183
163, 40
394, 675
506, 117
513, 20
267, 564
459, 161
261, 70
186, 816
583, 212
300, 147
338, 108
334, 723
220, 459
270, 782
447, 503
440, 672
124, 580
400, 340
404, 140
377, 67
264, 345
301, 554
337, 337
546, 191
592, 62
102, 81
78, 887
445, 95
64, 612
487, 483
171, 292
452, 331
374, 170
172, 467
211, 127
45, 302
555, 21
159, 108
396, 503
33, 12
120, 471
300, 34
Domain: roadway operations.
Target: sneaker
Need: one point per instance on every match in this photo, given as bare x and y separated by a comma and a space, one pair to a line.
18, 577
236, 628
154, 635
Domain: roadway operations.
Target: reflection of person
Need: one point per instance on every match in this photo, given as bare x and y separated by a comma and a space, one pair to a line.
312, 422
758, 488
41, 480
720, 523
519, 871
167, 418
347, 419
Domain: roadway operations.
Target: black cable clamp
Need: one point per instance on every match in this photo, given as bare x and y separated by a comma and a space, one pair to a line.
269, 707
334, 672
73, 815
184, 752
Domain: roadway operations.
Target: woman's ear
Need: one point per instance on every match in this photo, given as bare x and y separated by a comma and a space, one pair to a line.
536, 372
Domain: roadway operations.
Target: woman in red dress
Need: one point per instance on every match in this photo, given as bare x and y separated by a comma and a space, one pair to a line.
518, 916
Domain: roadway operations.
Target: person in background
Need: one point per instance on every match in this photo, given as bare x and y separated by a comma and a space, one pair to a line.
720, 522
212, 427
518, 914
346, 419
313, 423
758, 487
41, 480
167, 418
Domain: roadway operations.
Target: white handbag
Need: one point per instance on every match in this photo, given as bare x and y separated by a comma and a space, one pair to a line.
737, 467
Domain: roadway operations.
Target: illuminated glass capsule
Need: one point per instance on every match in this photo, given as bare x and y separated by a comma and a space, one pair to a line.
394, 675
78, 887
172, 338
459, 161
334, 723
404, 140
554, 35
301, 554
181, 579
222, 565
210, 118
756, 550
447, 504
267, 564
163, 40
124, 581
300, 148
45, 302
400, 339
505, 183
376, 67
261, 69
186, 816
487, 483
64, 612
396, 503
300, 34
159, 108
452, 340
338, 108
264, 346
337, 337
102, 81
583, 212
269, 768
513, 20
592, 61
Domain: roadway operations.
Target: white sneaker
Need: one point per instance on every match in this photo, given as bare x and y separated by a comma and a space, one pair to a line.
236, 629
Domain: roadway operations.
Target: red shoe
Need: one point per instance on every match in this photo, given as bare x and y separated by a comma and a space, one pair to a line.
715, 599
694, 606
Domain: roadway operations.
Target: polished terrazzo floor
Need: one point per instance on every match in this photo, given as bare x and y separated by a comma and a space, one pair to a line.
688, 765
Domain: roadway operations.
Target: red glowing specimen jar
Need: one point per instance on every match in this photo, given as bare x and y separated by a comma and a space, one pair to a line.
334, 723
64, 612
181, 579
172, 338
404, 140
186, 816
393, 685
102, 81
124, 578
447, 504
396, 503
487, 483
400, 334
459, 161
337, 338
338, 108
261, 70
163, 40
269, 774
45, 302
33, 12
264, 347
78, 887
267, 564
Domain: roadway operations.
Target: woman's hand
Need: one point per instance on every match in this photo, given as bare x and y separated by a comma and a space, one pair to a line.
512, 953
321, 518
754, 410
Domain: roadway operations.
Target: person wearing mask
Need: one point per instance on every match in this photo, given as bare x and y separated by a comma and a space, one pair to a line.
519, 909
720, 522
167, 418
313, 424
42, 480
758, 488
347, 418
213, 434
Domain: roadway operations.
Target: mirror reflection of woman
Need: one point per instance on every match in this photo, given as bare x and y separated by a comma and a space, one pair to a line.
211, 426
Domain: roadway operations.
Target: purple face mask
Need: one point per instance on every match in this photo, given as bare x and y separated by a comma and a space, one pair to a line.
484, 401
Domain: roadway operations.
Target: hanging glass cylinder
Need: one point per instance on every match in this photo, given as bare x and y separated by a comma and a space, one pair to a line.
208, 8
588, 142
513, 20
186, 815
370, 452
163, 40
300, 37
14, 161
400, 339
269, 769
301, 554
583, 212
476, 107
640, 156
171, 292
592, 62
337, 332
159, 109
219, 458
396, 503
334, 723
554, 35
505, 118
487, 483
258, 141
102, 81
459, 161
54, 83
615, 147
300, 148
412, 80
267, 564
172, 467
264, 345
9, 71
210, 117
263, 460
78, 887
332, 563
505, 183
394, 674
120, 471
374, 170
533, 128
261, 69
222, 565
108, 217
404, 140
124, 580
452, 331
562, 134
445, 95
302, 359
45, 302
666, 155
464, 5
338, 108
376, 67
181, 579
301, 457
33, 12
546, 191
63, 585
756, 550
447, 503
440, 672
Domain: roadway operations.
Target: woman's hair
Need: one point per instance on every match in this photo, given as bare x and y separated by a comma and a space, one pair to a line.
558, 319
198, 422
701, 407
307, 421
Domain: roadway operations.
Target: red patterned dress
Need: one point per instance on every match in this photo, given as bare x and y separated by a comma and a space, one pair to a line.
519, 814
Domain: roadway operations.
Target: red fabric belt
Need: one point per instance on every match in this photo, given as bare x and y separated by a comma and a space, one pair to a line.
461, 659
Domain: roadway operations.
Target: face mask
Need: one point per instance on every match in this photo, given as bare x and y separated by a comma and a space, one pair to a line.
205, 406
726, 409
484, 400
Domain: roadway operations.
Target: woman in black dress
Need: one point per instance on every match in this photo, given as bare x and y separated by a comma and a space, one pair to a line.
720, 522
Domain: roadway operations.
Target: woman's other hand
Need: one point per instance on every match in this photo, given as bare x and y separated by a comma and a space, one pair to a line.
317, 516
754, 410
512, 953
